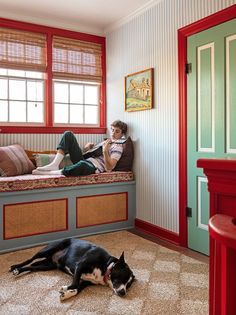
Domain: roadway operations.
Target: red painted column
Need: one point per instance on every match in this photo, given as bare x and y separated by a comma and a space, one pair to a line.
221, 174
222, 231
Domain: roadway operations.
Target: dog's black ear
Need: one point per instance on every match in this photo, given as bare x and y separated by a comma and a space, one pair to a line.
122, 258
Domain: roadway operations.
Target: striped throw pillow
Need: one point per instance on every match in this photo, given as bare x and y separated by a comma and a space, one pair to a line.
14, 161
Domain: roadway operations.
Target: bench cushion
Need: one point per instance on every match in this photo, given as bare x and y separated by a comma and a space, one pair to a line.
29, 181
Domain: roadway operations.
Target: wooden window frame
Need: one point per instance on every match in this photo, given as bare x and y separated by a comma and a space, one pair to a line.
49, 128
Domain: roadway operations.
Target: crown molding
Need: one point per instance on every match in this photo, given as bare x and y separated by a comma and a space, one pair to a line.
53, 22
131, 16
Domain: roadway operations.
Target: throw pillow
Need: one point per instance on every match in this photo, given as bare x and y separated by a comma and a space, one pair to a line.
43, 159
125, 163
14, 161
31, 154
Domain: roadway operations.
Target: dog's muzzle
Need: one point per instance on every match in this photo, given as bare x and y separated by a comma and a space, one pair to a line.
121, 292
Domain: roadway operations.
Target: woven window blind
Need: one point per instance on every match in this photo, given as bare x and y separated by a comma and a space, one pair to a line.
22, 50
76, 60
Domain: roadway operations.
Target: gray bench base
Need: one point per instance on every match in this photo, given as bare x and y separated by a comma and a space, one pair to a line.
39, 216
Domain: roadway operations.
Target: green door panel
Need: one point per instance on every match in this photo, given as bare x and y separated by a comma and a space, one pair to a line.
231, 93
205, 105
211, 117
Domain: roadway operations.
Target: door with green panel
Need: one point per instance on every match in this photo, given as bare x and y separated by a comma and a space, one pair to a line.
211, 117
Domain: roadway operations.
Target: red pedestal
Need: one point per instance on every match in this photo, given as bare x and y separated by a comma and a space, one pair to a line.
221, 176
222, 231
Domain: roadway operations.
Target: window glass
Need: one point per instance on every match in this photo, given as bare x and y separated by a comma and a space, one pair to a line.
76, 93
3, 111
61, 92
35, 112
91, 95
33, 74
35, 91
17, 90
3, 89
3, 71
76, 114
91, 114
16, 73
61, 113
21, 97
17, 111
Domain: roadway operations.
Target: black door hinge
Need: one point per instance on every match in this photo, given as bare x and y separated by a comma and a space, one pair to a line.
188, 212
188, 68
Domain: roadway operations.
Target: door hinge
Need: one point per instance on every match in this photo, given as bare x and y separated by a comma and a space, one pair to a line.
188, 212
188, 68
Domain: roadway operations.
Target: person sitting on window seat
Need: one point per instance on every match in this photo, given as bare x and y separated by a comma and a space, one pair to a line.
105, 162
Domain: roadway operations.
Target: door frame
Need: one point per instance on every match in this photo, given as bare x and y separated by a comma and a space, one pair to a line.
183, 33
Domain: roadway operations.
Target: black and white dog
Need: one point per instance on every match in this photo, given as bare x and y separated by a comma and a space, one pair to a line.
86, 262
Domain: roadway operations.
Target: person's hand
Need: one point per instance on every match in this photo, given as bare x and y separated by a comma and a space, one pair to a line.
106, 146
88, 146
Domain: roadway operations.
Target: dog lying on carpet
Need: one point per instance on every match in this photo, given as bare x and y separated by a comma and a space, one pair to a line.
86, 262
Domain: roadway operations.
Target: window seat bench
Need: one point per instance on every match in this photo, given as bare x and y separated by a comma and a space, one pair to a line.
36, 209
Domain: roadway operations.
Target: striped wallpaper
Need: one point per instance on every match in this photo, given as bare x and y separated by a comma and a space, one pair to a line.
150, 40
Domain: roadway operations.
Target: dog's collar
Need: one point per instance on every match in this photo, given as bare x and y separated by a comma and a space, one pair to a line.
108, 273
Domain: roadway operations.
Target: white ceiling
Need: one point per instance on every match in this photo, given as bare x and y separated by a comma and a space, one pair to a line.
91, 16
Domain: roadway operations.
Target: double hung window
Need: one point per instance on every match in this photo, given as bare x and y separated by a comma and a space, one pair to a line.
23, 64
77, 77
51, 80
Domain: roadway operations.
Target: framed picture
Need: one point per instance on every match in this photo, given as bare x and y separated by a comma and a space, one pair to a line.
139, 90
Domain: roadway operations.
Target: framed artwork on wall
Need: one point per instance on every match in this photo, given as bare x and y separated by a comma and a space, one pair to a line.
139, 90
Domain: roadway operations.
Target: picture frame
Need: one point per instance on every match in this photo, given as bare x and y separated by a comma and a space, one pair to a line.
139, 90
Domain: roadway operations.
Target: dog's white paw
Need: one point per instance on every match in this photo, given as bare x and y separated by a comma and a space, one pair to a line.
12, 268
15, 272
63, 289
64, 295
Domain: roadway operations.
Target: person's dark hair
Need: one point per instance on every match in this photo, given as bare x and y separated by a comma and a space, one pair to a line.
120, 124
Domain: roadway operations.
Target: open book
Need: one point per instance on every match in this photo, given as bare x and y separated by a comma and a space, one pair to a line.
97, 149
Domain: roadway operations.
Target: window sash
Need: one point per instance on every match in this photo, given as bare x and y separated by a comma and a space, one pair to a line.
82, 103
24, 99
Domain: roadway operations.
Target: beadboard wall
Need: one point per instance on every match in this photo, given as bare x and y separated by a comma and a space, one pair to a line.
41, 142
150, 40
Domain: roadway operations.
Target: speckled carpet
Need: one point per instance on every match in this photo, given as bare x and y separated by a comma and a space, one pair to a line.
167, 282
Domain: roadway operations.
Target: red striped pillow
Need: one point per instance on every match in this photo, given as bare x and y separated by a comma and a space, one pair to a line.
14, 161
